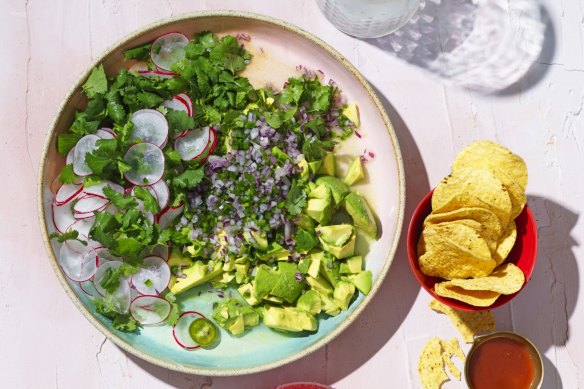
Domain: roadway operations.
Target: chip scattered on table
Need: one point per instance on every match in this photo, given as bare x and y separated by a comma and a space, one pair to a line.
466, 322
436, 355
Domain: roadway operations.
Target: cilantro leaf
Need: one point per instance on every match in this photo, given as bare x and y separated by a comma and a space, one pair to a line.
67, 176
69, 235
103, 228
305, 240
315, 150
150, 203
96, 82
273, 119
140, 53
65, 142
178, 121
189, 179
126, 323
119, 200
107, 306
295, 200
111, 278
82, 126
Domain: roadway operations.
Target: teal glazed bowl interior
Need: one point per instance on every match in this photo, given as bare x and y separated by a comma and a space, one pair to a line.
277, 49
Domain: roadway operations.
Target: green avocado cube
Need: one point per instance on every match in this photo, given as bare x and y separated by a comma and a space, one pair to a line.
352, 265
363, 218
288, 286
362, 280
328, 305
247, 292
289, 319
338, 188
343, 294
335, 235
329, 268
264, 281
309, 302
328, 167
315, 260
197, 274
320, 284
355, 172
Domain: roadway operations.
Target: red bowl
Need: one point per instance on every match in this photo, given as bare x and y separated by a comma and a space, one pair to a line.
523, 254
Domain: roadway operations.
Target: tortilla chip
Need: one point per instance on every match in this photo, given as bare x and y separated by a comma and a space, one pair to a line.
450, 349
431, 365
472, 188
466, 322
451, 366
455, 251
486, 153
477, 298
505, 243
506, 279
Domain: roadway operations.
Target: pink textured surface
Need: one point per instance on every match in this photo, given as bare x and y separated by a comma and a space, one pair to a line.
46, 47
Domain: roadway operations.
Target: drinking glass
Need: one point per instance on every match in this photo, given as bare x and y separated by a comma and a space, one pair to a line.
368, 18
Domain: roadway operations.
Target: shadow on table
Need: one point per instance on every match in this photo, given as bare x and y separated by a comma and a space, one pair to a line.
368, 333
492, 47
543, 309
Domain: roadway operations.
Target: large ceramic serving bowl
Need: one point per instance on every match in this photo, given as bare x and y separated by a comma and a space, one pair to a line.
277, 48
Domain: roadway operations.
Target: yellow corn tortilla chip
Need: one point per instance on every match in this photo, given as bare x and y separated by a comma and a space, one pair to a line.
491, 226
486, 153
506, 279
466, 322
451, 366
454, 252
472, 188
489, 238
431, 365
478, 298
505, 243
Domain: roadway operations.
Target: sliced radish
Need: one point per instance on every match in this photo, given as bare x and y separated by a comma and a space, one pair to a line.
105, 133
167, 216
210, 148
67, 192
193, 144
88, 288
75, 262
177, 104
161, 251
153, 277
150, 310
84, 216
180, 331
70, 156
168, 49
185, 99
90, 204
147, 164
104, 255
149, 126
81, 226
85, 145
157, 73
161, 192
97, 189
63, 217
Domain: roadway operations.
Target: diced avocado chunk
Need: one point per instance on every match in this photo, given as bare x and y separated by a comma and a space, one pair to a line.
197, 274
177, 258
320, 284
274, 251
315, 260
304, 221
288, 287
352, 265
222, 280
329, 268
355, 172
289, 319
328, 305
257, 239
320, 210
314, 166
264, 281
351, 112
343, 293
304, 264
247, 292
304, 169
345, 251
320, 192
280, 155
362, 280
328, 165
235, 316
274, 299
309, 302
338, 188
363, 218
335, 235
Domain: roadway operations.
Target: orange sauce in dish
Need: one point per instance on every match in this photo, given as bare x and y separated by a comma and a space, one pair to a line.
501, 363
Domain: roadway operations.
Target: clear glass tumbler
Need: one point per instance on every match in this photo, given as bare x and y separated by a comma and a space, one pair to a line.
368, 18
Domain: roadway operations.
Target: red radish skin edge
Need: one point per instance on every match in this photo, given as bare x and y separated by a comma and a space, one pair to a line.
174, 327
71, 197
188, 103
151, 296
